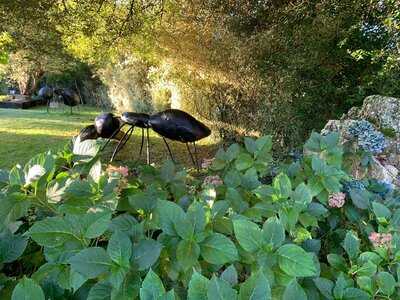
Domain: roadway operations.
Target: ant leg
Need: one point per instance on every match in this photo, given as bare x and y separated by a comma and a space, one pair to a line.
169, 150
123, 141
112, 136
141, 146
195, 155
148, 147
191, 155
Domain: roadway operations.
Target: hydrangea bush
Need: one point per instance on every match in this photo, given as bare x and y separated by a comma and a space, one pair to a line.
75, 229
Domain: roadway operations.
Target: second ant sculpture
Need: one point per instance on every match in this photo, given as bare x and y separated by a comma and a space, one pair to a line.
173, 124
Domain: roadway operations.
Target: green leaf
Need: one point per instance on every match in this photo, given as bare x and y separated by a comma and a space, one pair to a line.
129, 288
232, 179
219, 289
100, 291
296, 262
386, 283
169, 214
337, 262
360, 198
244, 161
232, 152
381, 211
27, 289
294, 291
145, 253
230, 275
187, 253
351, 245
256, 287
152, 287
273, 232
341, 284
367, 269
236, 200
282, 186
197, 216
119, 248
11, 246
53, 232
365, 283
198, 287
355, 294
91, 262
95, 223
218, 249
248, 234
250, 144
302, 194
325, 286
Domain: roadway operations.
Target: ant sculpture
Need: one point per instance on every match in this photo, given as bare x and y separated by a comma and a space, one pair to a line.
68, 96
46, 93
173, 124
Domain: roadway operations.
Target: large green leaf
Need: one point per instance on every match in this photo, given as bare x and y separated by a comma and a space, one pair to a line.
27, 289
296, 262
230, 275
219, 289
95, 224
282, 186
355, 294
352, 245
302, 194
152, 287
273, 232
53, 232
187, 253
145, 253
294, 291
248, 234
119, 248
11, 246
196, 216
129, 288
100, 291
256, 287
170, 216
386, 283
91, 262
198, 287
218, 249
244, 161
381, 211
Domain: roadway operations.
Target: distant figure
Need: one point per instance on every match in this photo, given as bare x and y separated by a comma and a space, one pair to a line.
68, 96
46, 93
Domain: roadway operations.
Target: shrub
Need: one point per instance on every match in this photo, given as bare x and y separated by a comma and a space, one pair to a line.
159, 233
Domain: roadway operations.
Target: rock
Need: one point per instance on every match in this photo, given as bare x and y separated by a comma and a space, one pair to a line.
384, 113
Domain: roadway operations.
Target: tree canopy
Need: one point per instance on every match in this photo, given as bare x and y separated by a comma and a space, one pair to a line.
249, 67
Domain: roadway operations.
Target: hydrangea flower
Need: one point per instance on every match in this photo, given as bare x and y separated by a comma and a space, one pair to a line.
381, 239
123, 171
213, 180
337, 200
353, 185
368, 138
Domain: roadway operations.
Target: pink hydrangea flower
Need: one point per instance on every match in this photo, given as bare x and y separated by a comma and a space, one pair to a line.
213, 180
124, 171
206, 163
381, 239
337, 200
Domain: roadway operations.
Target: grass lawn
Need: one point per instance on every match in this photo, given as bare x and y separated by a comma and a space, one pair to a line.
24, 133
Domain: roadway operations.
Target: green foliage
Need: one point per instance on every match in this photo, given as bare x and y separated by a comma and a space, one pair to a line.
164, 235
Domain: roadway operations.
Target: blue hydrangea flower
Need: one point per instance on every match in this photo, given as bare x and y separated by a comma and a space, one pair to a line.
369, 139
359, 127
353, 185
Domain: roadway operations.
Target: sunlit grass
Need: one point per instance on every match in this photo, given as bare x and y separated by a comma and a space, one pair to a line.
25, 133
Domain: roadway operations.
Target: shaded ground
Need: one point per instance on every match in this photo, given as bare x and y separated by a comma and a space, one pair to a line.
24, 133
